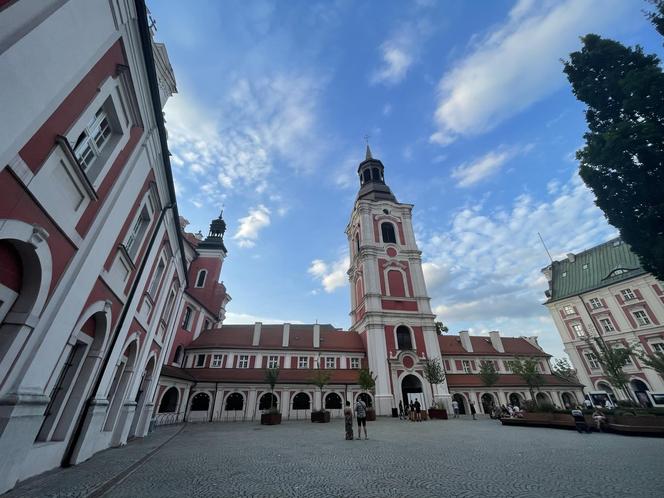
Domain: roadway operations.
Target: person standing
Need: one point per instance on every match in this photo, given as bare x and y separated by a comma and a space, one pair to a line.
472, 410
418, 410
361, 415
348, 421
400, 410
455, 407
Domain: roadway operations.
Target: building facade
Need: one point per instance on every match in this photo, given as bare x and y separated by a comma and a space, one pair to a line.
93, 267
604, 292
220, 375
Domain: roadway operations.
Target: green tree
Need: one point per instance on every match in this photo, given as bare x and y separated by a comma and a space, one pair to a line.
562, 368
320, 379
433, 372
271, 378
528, 370
366, 380
623, 158
657, 17
654, 361
488, 374
440, 328
613, 360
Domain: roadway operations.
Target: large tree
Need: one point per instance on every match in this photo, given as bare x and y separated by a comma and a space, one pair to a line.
488, 374
654, 361
657, 17
623, 158
528, 370
433, 372
562, 368
613, 359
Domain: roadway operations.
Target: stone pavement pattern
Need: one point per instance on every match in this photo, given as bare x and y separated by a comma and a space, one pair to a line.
429, 459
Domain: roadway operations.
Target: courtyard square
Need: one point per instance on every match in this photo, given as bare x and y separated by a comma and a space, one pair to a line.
430, 459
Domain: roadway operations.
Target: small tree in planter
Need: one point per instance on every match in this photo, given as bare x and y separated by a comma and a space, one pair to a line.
613, 360
488, 374
434, 374
273, 415
562, 368
367, 382
320, 380
527, 369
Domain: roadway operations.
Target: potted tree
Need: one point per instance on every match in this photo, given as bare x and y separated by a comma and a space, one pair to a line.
489, 376
434, 374
367, 382
272, 416
320, 380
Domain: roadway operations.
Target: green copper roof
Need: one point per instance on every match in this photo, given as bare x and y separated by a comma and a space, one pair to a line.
594, 268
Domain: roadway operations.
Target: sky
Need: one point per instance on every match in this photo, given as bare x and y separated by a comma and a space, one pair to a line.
466, 105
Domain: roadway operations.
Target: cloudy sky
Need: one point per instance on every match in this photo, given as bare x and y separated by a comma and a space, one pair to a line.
464, 102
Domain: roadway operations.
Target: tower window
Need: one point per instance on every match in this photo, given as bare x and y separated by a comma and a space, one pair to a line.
387, 230
376, 174
366, 175
357, 243
200, 280
403, 338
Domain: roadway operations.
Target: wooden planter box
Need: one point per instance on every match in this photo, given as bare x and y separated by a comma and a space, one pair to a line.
270, 418
436, 413
320, 417
631, 424
371, 414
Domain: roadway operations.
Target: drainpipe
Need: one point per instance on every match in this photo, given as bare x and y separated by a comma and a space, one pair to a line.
66, 460
214, 400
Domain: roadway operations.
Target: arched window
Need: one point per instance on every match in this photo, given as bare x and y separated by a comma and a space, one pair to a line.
200, 279
178, 355
357, 243
375, 172
200, 402
301, 401
234, 402
404, 340
332, 401
366, 398
169, 401
359, 291
367, 175
396, 283
267, 401
387, 230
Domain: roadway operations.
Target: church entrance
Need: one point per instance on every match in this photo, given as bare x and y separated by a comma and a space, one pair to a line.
411, 389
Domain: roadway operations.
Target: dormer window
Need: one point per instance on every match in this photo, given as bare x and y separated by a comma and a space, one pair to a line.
618, 271
628, 294
200, 279
585, 266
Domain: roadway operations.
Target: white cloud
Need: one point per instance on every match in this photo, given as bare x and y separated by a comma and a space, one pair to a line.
399, 52
249, 226
330, 275
516, 64
468, 174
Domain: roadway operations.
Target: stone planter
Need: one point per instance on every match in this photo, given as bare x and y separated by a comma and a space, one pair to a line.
270, 418
371, 414
320, 417
437, 413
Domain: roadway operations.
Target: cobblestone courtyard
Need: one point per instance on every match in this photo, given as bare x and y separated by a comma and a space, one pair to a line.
431, 459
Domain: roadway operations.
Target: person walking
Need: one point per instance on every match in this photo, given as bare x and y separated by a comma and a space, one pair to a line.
348, 421
361, 415
400, 410
418, 410
472, 410
455, 407
580, 421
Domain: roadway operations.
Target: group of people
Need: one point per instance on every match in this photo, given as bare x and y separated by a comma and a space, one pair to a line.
456, 409
511, 411
360, 415
599, 419
414, 408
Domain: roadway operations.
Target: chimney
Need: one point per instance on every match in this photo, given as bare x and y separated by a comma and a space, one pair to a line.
286, 335
465, 341
496, 341
256, 339
316, 335
571, 257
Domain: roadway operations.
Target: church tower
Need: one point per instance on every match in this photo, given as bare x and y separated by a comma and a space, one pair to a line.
390, 307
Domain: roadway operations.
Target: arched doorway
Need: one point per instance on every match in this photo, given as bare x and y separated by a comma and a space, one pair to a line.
569, 400
639, 387
488, 402
332, 401
516, 399
411, 388
605, 386
141, 399
543, 398
200, 402
366, 397
267, 401
169, 401
461, 400
234, 402
121, 379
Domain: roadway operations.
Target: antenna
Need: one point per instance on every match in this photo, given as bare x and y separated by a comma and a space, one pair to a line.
545, 248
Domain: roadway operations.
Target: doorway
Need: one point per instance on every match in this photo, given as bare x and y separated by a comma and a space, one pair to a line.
411, 389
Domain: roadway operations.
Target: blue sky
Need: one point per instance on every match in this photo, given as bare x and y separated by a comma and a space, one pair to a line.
464, 102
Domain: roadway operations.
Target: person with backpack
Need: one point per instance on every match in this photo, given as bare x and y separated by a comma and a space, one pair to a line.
361, 415
418, 410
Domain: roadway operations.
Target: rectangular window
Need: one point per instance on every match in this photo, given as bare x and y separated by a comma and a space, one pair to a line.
157, 278
641, 317
216, 360
595, 303
354, 363
607, 325
207, 325
92, 145
627, 294
568, 310
273, 362
169, 306
578, 329
303, 362
135, 238
186, 321
330, 362
592, 361
200, 360
243, 361
658, 347
466, 366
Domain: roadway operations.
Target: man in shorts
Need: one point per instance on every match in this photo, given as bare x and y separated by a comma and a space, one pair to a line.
361, 415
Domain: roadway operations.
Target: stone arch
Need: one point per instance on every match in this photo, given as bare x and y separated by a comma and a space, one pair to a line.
464, 406
569, 399
142, 396
488, 401
412, 383
122, 376
301, 401
404, 337
234, 402
638, 384
516, 399
603, 385
333, 401
268, 400
179, 355
169, 400
366, 397
543, 397
388, 232
200, 402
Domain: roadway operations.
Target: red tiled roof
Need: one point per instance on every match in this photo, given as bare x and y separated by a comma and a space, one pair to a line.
191, 238
301, 337
451, 345
504, 380
175, 372
257, 375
